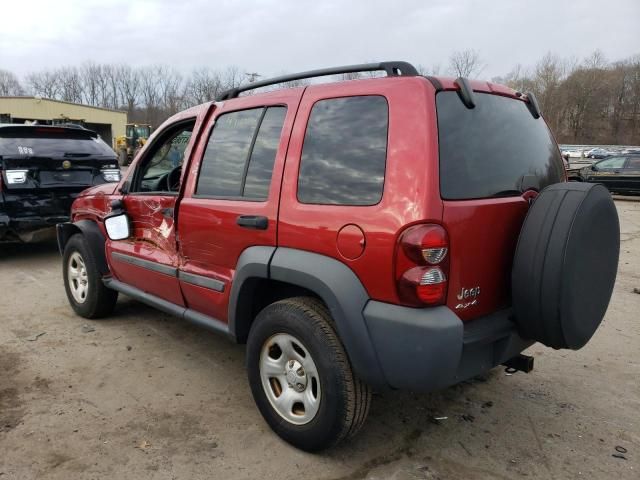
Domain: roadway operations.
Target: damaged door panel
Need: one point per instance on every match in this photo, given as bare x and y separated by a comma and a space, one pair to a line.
148, 259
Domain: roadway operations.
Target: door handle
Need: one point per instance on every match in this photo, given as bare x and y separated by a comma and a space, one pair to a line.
253, 221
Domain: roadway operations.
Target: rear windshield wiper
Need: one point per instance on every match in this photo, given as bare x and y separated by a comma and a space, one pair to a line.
507, 193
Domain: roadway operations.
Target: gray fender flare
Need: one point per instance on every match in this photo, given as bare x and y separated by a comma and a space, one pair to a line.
344, 295
92, 234
252, 265
333, 281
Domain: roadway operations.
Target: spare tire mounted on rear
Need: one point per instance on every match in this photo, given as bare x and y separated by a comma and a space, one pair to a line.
565, 264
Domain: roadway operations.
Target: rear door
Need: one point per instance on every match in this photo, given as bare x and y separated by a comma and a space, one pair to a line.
232, 194
489, 156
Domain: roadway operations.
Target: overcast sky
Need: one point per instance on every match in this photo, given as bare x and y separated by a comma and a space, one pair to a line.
275, 36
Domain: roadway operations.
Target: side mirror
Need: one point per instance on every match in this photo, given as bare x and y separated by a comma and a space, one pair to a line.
117, 226
594, 168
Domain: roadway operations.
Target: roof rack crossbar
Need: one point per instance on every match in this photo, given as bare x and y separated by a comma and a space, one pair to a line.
392, 69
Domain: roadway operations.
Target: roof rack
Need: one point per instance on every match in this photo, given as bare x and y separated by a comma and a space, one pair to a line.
393, 69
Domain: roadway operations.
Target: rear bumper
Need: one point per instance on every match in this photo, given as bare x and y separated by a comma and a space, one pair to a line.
29, 228
429, 349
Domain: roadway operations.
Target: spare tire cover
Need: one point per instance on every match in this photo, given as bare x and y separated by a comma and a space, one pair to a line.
565, 264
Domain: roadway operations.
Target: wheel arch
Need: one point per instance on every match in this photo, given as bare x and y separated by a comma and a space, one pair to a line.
92, 233
289, 272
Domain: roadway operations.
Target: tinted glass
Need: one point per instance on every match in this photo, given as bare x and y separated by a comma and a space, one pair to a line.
40, 143
264, 153
495, 149
616, 162
344, 153
226, 154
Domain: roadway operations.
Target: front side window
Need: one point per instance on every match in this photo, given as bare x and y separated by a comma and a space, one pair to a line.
239, 158
160, 170
345, 150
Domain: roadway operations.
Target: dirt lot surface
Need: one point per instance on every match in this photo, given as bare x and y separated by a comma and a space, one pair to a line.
143, 396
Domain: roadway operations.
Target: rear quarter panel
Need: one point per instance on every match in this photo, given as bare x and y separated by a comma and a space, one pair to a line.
410, 186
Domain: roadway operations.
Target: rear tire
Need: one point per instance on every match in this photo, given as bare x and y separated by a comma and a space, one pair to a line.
333, 404
86, 293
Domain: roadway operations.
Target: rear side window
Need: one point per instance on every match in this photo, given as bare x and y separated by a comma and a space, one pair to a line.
264, 152
239, 158
634, 163
345, 150
495, 149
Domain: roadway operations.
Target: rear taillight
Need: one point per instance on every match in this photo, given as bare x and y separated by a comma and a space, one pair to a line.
111, 174
422, 265
15, 177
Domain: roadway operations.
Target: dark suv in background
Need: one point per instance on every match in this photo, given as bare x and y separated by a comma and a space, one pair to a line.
42, 170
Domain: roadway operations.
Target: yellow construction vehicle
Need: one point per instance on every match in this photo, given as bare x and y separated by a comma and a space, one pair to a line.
136, 135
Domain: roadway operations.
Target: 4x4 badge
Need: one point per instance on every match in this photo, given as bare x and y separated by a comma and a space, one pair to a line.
469, 294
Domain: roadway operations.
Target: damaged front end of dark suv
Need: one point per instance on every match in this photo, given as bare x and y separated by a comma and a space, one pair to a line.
42, 170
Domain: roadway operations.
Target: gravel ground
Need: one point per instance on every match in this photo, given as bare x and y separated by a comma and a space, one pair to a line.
143, 396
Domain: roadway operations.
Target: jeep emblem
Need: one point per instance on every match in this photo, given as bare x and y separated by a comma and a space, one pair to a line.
467, 293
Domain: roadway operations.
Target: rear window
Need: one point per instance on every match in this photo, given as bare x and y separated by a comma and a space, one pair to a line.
495, 149
43, 142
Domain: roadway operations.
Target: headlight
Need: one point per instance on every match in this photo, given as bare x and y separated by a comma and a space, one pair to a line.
111, 175
16, 176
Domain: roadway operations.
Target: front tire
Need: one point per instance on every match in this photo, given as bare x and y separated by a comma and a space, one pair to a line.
301, 378
86, 293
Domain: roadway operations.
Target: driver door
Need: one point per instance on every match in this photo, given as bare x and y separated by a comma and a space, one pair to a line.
148, 259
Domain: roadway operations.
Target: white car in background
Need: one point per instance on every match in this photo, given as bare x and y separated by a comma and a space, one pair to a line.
597, 152
573, 153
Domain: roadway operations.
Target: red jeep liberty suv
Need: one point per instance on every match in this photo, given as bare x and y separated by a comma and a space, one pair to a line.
402, 232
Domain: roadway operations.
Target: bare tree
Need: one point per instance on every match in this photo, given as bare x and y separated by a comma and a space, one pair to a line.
44, 83
171, 90
203, 86
150, 91
466, 63
231, 77
128, 84
9, 84
91, 74
433, 69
